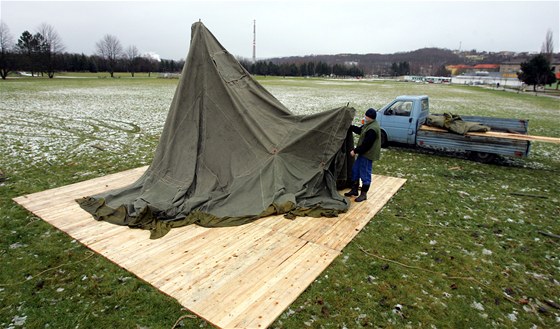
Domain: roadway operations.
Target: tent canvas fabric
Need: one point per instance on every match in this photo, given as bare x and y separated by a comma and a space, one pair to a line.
230, 153
454, 123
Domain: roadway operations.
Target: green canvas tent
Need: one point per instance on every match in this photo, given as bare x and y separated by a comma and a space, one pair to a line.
230, 153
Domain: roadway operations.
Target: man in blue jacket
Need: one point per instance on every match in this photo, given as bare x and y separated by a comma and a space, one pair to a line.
367, 150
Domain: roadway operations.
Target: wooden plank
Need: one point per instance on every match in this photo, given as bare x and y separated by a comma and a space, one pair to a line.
58, 210
81, 189
294, 227
183, 250
206, 262
268, 254
89, 235
281, 288
150, 251
334, 232
234, 277
499, 134
338, 235
230, 281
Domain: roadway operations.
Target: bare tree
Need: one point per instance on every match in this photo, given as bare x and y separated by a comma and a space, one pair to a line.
547, 49
52, 38
148, 63
132, 55
6, 50
109, 48
53, 47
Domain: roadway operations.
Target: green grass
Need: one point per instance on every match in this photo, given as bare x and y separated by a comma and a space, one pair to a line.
458, 246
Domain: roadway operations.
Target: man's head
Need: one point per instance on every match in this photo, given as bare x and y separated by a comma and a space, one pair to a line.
371, 113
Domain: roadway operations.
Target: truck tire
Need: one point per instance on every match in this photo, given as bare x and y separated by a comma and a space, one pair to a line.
384, 142
482, 157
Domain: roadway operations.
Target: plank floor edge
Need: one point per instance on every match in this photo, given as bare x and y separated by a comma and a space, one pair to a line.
323, 241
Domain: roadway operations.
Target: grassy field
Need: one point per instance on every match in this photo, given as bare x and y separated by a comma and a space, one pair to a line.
458, 246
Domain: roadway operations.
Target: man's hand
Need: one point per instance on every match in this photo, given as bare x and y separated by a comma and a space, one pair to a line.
352, 153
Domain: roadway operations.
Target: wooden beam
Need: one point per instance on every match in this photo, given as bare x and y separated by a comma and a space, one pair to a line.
499, 134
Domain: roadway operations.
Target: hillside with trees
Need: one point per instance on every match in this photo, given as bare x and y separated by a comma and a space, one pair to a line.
425, 61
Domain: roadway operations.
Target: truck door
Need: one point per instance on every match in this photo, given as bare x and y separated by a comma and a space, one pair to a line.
398, 122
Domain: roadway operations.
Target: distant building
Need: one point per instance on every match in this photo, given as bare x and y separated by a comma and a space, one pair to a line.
414, 78
457, 69
488, 67
486, 80
475, 57
504, 74
481, 69
507, 53
427, 79
509, 70
482, 74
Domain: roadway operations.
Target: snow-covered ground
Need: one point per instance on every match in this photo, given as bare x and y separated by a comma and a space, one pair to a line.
55, 123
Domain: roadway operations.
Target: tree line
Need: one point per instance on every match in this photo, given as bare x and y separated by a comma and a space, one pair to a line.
43, 53
301, 69
426, 61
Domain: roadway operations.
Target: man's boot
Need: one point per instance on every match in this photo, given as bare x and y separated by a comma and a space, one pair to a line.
363, 195
354, 190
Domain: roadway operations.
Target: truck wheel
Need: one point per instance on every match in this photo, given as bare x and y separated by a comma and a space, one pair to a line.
482, 157
384, 142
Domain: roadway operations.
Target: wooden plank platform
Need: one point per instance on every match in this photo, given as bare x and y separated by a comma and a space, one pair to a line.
499, 134
234, 277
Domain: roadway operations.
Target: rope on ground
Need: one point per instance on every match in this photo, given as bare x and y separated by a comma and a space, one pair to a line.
34, 219
443, 275
47, 270
550, 235
186, 316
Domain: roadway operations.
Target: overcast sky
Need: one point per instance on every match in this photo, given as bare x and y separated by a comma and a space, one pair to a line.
291, 28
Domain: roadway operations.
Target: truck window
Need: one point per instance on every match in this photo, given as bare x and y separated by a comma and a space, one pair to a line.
425, 104
400, 108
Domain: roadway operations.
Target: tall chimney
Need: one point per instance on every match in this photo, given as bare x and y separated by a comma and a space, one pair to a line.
254, 41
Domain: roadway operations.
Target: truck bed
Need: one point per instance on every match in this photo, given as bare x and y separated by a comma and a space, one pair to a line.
498, 124
492, 142
501, 134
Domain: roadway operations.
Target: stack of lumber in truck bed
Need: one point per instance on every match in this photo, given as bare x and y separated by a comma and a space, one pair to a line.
499, 134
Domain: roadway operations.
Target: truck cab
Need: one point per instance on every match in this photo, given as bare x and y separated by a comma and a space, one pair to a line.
401, 118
